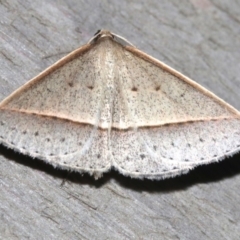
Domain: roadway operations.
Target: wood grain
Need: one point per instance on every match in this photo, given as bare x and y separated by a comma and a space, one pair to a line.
200, 38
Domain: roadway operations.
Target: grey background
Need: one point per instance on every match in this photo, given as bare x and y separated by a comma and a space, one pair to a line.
201, 39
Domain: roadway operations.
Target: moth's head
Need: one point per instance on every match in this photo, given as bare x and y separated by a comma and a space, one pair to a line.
101, 34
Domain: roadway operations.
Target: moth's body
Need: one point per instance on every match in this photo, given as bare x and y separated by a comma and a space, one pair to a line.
109, 105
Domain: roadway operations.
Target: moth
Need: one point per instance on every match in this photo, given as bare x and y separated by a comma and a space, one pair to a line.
109, 105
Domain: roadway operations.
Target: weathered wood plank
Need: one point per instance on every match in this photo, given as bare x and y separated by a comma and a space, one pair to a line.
197, 37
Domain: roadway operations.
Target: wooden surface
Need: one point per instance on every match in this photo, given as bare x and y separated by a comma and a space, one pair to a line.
200, 38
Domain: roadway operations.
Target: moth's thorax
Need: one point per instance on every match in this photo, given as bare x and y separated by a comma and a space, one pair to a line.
107, 77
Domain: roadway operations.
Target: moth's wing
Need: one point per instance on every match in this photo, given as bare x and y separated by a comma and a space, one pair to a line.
172, 124
70, 89
167, 151
62, 143
55, 116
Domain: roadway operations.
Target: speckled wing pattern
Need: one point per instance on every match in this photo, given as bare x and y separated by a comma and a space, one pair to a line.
107, 105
